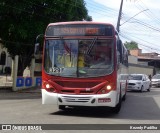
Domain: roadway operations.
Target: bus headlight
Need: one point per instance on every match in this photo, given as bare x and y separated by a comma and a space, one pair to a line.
105, 89
108, 87
49, 87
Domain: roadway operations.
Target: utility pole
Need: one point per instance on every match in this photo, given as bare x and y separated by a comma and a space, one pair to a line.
119, 16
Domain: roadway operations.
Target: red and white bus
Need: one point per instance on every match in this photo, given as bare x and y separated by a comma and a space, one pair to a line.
81, 65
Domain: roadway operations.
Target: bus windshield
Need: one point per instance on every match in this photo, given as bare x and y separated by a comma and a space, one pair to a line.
79, 57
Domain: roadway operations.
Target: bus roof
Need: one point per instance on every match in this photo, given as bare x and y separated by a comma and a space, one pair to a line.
79, 22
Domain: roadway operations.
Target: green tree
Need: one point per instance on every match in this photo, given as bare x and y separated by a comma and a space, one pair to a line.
131, 45
22, 20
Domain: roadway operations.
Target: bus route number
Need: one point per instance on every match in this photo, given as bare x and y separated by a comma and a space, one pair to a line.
55, 70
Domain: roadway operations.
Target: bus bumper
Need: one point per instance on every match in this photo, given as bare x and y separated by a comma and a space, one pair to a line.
110, 99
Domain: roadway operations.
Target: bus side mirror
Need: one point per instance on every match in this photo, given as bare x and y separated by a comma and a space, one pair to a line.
118, 59
36, 49
119, 46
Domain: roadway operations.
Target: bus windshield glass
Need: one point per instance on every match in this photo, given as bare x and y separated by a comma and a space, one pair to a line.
79, 57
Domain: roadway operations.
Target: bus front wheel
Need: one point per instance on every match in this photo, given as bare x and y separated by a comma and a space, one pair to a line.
118, 106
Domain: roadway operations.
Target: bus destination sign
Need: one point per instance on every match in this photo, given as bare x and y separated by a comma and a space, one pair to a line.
78, 30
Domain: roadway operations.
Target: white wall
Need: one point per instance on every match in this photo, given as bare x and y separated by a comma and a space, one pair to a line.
132, 59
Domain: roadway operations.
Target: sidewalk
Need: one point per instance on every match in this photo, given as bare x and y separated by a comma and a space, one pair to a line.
30, 93
36, 89
6, 86
27, 90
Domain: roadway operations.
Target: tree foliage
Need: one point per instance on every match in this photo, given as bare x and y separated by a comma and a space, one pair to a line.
131, 45
22, 20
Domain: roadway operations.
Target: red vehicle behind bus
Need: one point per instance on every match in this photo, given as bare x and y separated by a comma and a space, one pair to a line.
81, 65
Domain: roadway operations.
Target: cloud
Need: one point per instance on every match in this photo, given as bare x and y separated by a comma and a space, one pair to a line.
152, 4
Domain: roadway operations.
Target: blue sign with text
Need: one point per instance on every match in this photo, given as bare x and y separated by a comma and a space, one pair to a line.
28, 81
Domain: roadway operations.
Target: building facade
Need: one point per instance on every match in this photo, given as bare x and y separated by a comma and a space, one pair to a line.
5, 60
147, 61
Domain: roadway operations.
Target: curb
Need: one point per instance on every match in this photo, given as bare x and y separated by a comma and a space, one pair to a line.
25, 90
5, 89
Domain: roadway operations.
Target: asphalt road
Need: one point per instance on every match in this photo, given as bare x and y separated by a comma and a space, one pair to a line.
26, 108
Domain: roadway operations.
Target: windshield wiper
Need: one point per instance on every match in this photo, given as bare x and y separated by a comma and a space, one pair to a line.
91, 45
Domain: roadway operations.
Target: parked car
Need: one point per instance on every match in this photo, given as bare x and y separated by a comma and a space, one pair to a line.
155, 81
139, 82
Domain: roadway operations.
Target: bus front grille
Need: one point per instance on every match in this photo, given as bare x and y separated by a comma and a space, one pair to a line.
81, 92
76, 99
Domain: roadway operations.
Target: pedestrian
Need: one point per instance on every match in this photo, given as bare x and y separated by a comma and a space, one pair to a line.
149, 76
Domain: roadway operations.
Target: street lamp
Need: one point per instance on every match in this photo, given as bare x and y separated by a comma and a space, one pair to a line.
133, 16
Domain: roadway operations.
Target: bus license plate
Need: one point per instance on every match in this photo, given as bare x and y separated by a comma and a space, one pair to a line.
104, 100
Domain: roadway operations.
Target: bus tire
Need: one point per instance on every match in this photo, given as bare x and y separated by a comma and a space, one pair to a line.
124, 97
118, 106
62, 107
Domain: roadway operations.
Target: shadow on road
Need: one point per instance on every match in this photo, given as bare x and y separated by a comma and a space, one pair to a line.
138, 106
86, 112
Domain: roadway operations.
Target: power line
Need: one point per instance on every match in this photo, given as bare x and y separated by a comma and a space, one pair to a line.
151, 14
131, 39
144, 24
101, 7
133, 16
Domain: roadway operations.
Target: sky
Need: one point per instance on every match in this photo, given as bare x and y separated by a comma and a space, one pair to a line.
140, 20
